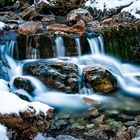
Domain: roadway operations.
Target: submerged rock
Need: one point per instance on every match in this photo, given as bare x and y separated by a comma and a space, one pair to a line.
99, 79
31, 27
60, 76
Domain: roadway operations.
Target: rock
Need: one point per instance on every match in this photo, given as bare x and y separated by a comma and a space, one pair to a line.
78, 28
123, 135
77, 127
60, 76
95, 134
58, 7
28, 13
114, 124
23, 83
79, 14
65, 137
26, 124
99, 120
105, 127
94, 112
99, 79
11, 15
132, 131
137, 119
6, 3
24, 119
109, 21
89, 126
137, 134
31, 27
23, 97
130, 123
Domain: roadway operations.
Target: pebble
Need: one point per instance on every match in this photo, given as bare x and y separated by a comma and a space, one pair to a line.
99, 120
90, 126
96, 134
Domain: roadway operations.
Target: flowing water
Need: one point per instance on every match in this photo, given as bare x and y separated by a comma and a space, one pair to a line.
125, 74
60, 49
9, 48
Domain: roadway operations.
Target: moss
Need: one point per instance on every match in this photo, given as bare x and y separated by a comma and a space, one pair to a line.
121, 39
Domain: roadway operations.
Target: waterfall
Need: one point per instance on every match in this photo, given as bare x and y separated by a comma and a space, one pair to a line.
32, 52
78, 45
96, 44
125, 73
60, 49
10, 49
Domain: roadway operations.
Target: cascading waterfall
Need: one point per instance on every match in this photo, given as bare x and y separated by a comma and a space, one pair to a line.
96, 44
32, 52
78, 45
10, 49
125, 74
60, 49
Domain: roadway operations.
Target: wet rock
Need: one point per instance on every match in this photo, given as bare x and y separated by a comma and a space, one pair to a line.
93, 26
99, 120
78, 28
23, 97
61, 76
31, 27
65, 137
94, 112
105, 127
115, 125
28, 13
95, 134
23, 83
99, 79
79, 14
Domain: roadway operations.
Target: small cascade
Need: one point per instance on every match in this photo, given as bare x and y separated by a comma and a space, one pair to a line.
96, 44
101, 43
78, 45
10, 49
32, 52
60, 49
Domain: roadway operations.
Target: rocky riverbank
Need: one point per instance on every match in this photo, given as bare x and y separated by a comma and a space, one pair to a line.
29, 30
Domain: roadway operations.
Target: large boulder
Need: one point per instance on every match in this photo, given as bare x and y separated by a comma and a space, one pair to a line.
31, 27
99, 79
60, 76
78, 28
